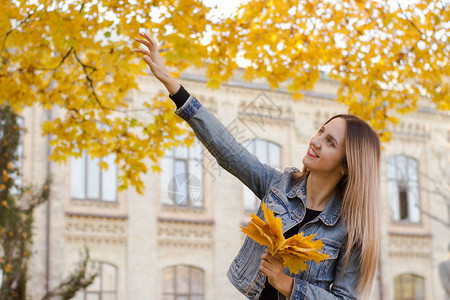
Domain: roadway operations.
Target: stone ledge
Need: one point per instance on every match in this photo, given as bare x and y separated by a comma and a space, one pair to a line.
410, 245
95, 216
96, 239
97, 227
94, 203
185, 233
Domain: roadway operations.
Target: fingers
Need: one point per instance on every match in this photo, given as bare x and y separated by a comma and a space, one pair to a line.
264, 269
271, 258
149, 61
265, 266
146, 57
150, 55
145, 43
278, 258
149, 38
145, 52
269, 267
266, 255
148, 41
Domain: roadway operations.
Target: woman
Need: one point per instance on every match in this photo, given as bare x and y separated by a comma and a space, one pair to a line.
335, 197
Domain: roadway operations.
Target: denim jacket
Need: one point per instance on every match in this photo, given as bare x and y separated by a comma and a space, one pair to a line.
287, 200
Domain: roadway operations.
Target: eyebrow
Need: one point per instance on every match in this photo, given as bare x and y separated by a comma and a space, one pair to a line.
329, 135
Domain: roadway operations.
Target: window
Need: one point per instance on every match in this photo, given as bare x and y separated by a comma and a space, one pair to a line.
409, 287
182, 176
183, 283
268, 153
403, 188
87, 181
104, 286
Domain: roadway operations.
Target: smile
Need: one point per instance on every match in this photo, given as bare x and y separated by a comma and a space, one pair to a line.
312, 153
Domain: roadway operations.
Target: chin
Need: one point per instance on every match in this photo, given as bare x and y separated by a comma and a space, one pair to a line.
305, 162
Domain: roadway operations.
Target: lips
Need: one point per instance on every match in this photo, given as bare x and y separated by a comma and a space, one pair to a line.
312, 153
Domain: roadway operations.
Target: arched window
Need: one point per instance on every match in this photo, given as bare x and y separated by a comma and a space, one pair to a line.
403, 188
105, 284
183, 282
182, 176
88, 181
268, 153
409, 287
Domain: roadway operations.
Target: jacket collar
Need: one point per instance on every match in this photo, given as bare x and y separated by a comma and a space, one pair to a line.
330, 215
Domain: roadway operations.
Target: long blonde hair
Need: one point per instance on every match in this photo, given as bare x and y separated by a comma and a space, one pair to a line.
360, 191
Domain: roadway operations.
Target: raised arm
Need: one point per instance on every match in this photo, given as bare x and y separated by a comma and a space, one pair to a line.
229, 153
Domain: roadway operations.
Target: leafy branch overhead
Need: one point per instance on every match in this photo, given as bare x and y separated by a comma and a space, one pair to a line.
77, 55
294, 251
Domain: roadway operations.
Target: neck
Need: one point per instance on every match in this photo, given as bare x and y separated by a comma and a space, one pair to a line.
319, 190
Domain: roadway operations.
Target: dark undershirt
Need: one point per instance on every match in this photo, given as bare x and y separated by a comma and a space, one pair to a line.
269, 292
180, 97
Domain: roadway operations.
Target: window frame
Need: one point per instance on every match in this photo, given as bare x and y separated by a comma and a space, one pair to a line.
171, 157
253, 143
406, 183
100, 293
416, 280
175, 293
86, 160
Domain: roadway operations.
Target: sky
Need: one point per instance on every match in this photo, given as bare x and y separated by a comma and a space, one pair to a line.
225, 7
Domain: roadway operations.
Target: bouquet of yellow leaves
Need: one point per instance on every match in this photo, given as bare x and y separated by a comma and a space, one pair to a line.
294, 251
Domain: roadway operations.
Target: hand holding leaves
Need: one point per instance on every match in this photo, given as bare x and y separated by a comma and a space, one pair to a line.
294, 251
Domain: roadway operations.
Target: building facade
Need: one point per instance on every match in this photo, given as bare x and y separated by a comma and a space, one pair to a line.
177, 239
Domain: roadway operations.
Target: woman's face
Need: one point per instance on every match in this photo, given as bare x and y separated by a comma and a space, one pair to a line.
326, 149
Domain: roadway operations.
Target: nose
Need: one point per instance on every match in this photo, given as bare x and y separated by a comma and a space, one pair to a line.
315, 141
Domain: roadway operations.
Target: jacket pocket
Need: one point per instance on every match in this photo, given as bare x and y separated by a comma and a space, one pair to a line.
325, 271
276, 202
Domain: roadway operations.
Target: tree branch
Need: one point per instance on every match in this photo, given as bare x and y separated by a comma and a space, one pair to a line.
88, 78
78, 280
410, 22
416, 27
91, 84
59, 64
17, 27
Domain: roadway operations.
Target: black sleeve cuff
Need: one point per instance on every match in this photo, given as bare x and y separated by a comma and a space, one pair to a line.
180, 97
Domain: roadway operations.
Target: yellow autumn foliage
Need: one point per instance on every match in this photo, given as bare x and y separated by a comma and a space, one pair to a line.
294, 251
77, 55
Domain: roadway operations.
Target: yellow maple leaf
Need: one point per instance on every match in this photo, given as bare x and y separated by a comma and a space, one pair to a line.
294, 251
267, 233
103, 165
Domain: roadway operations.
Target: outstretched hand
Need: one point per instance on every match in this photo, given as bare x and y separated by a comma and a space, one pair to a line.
155, 62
